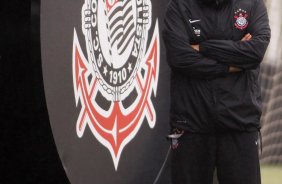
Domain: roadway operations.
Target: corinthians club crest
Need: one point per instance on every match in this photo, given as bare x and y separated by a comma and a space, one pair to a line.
241, 19
113, 85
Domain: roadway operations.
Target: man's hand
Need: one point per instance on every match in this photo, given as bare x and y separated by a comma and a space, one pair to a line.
233, 69
247, 37
195, 47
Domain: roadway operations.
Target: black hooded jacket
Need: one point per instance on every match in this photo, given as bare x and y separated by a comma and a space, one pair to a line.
205, 96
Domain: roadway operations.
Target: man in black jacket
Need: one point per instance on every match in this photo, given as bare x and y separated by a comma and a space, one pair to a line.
214, 49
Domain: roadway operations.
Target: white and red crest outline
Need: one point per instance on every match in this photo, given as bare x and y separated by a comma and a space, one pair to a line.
95, 117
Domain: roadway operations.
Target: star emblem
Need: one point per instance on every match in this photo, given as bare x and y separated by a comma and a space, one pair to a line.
105, 70
129, 67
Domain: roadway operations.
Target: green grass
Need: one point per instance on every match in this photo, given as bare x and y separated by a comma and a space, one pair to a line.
271, 174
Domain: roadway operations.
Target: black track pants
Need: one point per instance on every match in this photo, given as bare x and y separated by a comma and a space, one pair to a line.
234, 155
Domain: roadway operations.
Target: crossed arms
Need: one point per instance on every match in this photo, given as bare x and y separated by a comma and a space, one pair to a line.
214, 58
232, 69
